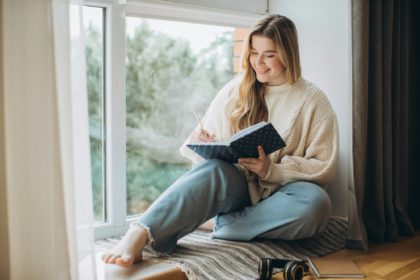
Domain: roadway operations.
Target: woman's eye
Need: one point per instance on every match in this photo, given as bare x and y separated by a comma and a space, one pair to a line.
270, 56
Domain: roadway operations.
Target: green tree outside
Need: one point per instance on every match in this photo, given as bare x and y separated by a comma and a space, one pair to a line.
94, 68
165, 82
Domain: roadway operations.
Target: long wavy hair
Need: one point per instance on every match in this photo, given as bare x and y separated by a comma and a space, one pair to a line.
250, 107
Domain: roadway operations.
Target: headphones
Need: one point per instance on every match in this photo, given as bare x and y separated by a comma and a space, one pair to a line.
292, 269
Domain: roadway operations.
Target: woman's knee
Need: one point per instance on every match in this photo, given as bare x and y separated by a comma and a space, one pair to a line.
320, 209
224, 170
319, 200
315, 204
219, 165
226, 178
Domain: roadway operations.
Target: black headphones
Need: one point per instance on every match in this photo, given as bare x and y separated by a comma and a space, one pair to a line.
292, 269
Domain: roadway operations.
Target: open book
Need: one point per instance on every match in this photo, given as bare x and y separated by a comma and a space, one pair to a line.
243, 144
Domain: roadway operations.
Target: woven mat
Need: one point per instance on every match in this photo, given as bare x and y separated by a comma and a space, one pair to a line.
201, 257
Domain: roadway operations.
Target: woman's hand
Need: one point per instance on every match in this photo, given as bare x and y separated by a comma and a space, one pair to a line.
258, 165
201, 136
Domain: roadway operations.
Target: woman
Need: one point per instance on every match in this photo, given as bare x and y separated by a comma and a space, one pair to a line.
276, 196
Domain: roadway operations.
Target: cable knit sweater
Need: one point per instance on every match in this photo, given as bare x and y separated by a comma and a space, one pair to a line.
303, 116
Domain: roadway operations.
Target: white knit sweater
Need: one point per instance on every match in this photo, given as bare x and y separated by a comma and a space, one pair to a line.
304, 118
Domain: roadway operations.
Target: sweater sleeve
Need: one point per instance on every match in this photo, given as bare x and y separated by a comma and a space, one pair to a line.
213, 121
318, 162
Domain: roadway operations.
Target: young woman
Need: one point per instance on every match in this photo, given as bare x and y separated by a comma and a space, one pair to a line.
277, 196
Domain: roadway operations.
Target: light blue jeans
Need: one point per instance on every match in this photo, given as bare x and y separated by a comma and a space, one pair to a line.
216, 188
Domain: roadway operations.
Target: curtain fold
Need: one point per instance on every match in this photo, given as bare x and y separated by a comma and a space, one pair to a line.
44, 125
4, 233
72, 109
33, 178
357, 233
381, 114
414, 116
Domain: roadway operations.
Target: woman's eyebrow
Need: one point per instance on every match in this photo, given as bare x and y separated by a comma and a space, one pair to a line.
269, 51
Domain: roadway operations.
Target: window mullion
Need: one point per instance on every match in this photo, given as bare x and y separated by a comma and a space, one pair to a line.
115, 77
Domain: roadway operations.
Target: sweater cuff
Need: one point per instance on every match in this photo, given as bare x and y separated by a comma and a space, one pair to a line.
274, 174
267, 188
190, 154
269, 172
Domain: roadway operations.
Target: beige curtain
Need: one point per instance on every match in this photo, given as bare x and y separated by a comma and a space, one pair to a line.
4, 236
45, 195
36, 226
382, 138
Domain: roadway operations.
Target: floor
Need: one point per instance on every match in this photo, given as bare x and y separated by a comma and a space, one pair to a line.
400, 260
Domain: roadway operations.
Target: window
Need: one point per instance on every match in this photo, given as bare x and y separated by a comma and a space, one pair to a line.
94, 34
249, 6
148, 69
172, 69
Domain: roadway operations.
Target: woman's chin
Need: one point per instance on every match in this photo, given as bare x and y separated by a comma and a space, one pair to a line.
262, 80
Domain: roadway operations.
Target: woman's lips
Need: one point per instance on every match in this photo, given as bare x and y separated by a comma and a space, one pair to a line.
260, 72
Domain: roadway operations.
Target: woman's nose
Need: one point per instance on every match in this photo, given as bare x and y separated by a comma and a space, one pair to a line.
259, 60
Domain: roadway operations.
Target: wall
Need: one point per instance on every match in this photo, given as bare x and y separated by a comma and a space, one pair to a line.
324, 32
239, 37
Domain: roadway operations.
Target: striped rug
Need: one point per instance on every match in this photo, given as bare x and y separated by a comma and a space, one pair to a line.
201, 257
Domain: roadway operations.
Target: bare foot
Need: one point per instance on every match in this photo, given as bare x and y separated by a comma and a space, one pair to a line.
129, 249
207, 225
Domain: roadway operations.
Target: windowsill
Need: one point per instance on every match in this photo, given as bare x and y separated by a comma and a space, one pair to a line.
148, 269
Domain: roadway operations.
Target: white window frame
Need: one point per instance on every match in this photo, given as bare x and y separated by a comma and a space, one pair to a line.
115, 14
247, 6
189, 13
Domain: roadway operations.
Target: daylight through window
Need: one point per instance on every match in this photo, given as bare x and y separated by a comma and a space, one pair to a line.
172, 69
94, 33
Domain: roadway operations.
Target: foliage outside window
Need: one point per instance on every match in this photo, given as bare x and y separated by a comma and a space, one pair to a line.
166, 80
93, 20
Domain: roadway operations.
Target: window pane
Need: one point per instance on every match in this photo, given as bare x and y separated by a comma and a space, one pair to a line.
173, 68
93, 21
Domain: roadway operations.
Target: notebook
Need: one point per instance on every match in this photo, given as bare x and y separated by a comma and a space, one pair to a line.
333, 266
243, 144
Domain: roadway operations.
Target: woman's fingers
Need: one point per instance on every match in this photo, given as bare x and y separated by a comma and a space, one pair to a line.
258, 165
206, 136
201, 136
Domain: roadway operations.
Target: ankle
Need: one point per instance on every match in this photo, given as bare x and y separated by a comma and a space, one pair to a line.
140, 231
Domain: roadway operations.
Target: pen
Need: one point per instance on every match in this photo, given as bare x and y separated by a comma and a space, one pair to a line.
200, 124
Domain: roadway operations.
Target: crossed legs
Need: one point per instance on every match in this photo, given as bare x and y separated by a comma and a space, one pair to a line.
217, 189
207, 190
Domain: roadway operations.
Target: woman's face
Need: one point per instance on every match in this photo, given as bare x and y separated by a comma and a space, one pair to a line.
266, 62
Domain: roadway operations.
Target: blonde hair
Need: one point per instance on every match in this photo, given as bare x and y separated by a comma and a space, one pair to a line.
250, 106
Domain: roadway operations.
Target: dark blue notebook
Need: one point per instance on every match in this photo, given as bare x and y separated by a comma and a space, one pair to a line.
243, 144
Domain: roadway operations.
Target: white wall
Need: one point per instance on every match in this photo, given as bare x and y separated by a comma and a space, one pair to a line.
325, 46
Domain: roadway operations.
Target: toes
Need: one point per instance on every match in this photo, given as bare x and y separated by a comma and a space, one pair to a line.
106, 257
113, 258
125, 261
